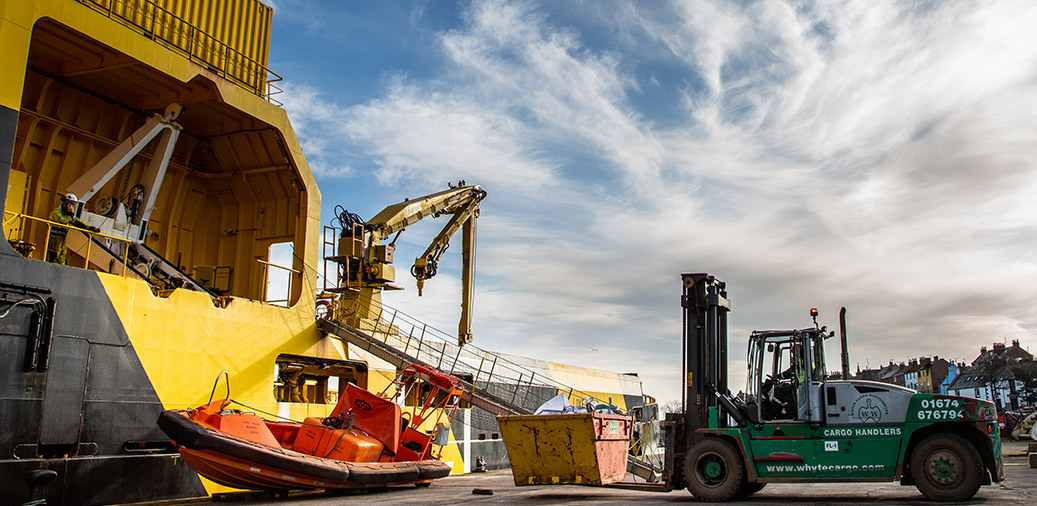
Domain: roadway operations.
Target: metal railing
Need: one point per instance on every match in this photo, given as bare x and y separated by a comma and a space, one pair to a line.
30, 247
423, 343
178, 34
265, 280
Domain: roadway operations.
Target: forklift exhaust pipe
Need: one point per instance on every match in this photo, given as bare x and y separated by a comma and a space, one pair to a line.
842, 337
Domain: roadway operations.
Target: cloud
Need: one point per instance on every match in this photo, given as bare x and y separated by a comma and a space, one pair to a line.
316, 122
434, 138
876, 155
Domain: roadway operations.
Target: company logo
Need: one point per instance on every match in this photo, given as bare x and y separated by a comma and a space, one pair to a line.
869, 408
362, 405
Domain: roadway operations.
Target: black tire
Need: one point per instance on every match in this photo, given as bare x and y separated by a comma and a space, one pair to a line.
946, 467
749, 489
714, 470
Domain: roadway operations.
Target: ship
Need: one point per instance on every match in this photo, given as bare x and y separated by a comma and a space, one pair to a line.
161, 118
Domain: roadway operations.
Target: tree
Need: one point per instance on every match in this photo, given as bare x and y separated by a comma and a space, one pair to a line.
670, 407
1026, 373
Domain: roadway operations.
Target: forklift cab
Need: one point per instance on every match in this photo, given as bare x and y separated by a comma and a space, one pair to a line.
786, 375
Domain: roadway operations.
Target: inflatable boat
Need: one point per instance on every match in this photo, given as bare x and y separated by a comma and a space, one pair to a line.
366, 441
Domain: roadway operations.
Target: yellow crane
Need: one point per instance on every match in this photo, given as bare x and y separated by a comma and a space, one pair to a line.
366, 261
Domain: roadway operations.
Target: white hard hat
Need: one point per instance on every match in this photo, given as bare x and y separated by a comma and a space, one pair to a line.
69, 197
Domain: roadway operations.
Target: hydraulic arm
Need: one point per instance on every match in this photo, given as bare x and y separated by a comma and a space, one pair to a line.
462, 203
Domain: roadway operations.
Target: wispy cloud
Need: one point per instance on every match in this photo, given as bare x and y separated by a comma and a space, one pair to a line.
436, 137
317, 123
877, 155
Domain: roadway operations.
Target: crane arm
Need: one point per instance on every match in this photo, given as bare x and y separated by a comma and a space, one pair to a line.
462, 202
425, 266
401, 215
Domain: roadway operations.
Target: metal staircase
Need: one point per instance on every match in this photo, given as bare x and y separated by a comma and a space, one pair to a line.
474, 395
492, 381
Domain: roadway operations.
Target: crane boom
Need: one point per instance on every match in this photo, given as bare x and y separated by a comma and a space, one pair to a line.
425, 266
374, 273
395, 218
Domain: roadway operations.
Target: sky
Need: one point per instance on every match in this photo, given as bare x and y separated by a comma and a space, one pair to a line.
875, 155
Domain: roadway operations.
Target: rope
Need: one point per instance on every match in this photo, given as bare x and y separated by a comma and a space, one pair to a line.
278, 417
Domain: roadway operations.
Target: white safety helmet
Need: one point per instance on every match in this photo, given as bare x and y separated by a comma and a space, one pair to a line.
69, 198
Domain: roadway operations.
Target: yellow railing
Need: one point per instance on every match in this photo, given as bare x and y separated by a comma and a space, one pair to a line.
178, 34
27, 247
265, 278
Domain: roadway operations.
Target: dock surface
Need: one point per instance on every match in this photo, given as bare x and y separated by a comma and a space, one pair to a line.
1019, 487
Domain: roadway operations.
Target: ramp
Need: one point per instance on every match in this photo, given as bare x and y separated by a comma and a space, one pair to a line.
492, 381
380, 348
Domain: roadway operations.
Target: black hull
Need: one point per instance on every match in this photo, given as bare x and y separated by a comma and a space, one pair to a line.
86, 372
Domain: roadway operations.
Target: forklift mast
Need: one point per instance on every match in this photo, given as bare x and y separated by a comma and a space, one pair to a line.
705, 306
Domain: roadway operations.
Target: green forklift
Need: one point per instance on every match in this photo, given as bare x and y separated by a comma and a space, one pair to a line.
794, 425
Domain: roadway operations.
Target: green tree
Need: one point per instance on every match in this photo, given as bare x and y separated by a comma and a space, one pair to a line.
1026, 373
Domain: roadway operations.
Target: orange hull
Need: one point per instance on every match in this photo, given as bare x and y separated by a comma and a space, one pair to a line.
239, 450
237, 473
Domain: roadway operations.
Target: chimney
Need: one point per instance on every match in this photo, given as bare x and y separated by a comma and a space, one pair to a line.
982, 350
1015, 343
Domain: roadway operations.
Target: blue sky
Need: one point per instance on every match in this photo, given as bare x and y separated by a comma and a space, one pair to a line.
873, 155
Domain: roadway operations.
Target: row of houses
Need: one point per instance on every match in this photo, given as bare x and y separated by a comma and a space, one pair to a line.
1002, 374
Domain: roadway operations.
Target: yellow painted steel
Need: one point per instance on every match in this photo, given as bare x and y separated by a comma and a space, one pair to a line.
232, 36
293, 221
573, 449
15, 204
244, 25
183, 342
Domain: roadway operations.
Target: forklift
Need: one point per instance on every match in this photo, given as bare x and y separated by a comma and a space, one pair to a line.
794, 424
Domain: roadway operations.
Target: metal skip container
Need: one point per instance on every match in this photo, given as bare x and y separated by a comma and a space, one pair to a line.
570, 449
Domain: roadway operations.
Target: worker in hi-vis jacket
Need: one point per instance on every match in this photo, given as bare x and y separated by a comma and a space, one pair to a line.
65, 214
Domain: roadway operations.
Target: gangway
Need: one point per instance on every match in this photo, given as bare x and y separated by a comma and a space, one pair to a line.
473, 394
493, 381
513, 386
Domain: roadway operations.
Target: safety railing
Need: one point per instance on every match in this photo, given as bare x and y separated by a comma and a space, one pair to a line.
265, 280
28, 248
180, 35
507, 380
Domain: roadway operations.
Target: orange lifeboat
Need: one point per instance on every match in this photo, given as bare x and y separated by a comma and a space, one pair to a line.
367, 440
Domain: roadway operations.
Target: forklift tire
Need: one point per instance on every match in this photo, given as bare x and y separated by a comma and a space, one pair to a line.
714, 470
749, 489
946, 467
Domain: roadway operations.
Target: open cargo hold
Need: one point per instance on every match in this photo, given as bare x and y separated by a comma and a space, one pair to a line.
572, 449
